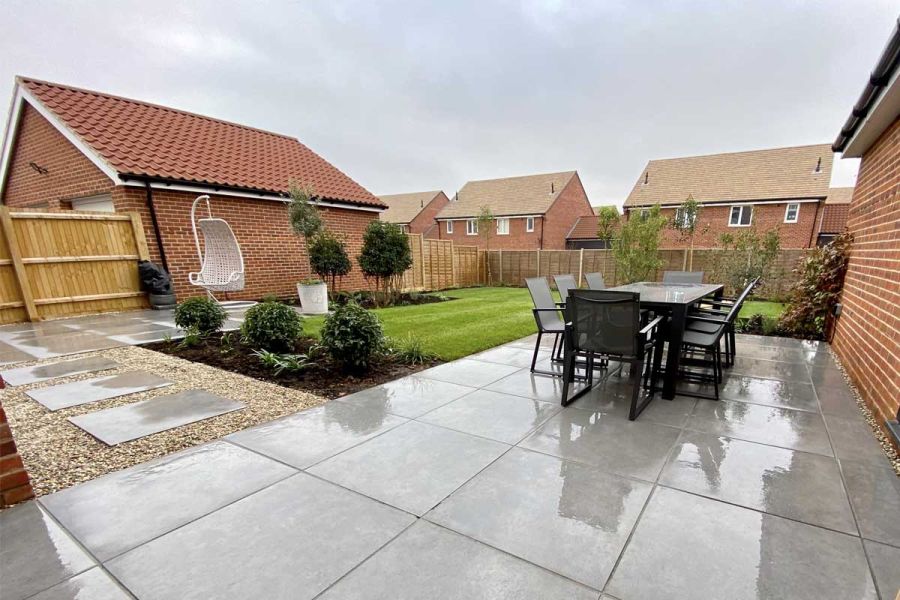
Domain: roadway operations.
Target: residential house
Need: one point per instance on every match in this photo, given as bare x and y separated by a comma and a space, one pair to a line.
867, 332
415, 212
584, 234
69, 148
780, 188
531, 212
834, 214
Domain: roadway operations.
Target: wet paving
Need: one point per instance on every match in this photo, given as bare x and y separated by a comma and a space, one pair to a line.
471, 481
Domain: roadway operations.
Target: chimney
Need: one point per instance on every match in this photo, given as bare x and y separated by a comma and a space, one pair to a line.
646, 177
818, 166
551, 187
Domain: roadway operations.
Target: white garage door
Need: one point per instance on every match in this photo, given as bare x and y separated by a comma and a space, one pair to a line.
102, 203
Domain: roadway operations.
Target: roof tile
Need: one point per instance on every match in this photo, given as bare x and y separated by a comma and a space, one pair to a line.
526, 195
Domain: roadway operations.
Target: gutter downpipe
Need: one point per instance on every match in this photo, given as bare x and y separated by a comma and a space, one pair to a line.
155, 221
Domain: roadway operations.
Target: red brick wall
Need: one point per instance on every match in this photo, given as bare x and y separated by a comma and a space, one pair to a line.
714, 222
69, 173
15, 485
867, 334
518, 238
424, 222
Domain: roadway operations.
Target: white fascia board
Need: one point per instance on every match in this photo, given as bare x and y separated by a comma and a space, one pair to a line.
883, 113
535, 215
734, 203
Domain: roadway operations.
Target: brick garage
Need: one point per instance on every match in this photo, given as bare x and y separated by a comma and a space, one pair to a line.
415, 211
68, 145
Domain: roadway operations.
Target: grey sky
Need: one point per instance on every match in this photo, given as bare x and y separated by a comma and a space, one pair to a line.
414, 96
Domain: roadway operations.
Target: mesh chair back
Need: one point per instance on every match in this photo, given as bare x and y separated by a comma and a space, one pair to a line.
595, 281
564, 283
543, 298
683, 277
604, 322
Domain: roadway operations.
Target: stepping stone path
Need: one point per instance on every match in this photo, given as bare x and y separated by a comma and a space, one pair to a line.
10, 354
125, 423
76, 393
37, 373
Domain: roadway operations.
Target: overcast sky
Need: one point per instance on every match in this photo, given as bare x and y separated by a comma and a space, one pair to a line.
427, 95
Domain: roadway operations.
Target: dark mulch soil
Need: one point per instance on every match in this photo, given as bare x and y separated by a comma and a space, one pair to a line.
323, 378
366, 300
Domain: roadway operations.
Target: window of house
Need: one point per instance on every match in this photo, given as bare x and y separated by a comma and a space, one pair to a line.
502, 226
741, 216
644, 214
529, 224
101, 203
792, 213
683, 219
471, 227
449, 226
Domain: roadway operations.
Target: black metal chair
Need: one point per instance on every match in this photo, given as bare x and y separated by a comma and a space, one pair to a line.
720, 308
683, 277
607, 324
595, 281
564, 283
547, 316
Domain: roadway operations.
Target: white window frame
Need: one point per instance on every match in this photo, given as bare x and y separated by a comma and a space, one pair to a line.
529, 224
471, 227
681, 218
787, 211
449, 226
742, 207
503, 226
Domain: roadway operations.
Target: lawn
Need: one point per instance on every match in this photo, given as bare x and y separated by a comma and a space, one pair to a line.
764, 308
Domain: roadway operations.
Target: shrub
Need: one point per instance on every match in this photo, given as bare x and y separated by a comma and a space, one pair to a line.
385, 256
812, 300
636, 250
411, 350
352, 335
744, 257
328, 257
279, 363
272, 326
202, 314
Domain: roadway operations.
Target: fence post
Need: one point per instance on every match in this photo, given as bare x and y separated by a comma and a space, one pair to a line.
538, 274
580, 265
18, 266
500, 267
140, 241
422, 258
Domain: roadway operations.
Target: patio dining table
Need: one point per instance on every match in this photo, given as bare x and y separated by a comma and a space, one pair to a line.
674, 299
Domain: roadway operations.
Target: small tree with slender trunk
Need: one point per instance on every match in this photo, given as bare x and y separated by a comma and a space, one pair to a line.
685, 222
484, 222
607, 223
304, 215
385, 257
636, 250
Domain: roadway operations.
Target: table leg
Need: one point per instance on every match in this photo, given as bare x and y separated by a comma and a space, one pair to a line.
676, 333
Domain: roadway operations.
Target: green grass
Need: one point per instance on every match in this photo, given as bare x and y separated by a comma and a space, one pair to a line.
762, 307
478, 319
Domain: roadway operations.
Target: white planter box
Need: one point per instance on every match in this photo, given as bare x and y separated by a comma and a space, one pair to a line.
313, 298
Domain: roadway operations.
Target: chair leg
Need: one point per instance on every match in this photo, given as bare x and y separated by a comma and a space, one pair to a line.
568, 376
537, 347
636, 368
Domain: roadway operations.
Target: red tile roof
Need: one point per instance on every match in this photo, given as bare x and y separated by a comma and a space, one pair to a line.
834, 218
585, 228
140, 139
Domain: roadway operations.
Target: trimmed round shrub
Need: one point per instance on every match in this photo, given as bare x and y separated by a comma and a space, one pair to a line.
201, 314
352, 335
272, 326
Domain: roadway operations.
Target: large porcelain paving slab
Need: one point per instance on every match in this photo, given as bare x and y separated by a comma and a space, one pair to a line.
429, 562
469, 372
37, 373
613, 398
69, 343
10, 355
311, 436
493, 415
90, 585
564, 516
781, 354
413, 466
509, 355
132, 421
885, 561
119, 511
794, 429
769, 392
409, 397
769, 369
290, 540
874, 491
853, 439
631, 448
532, 385
689, 547
35, 553
76, 393
798, 485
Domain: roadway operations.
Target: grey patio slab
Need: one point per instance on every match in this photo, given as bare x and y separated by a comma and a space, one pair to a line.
874, 491
66, 395
794, 429
507, 355
564, 516
839, 401
290, 540
769, 369
132, 421
408, 396
413, 466
885, 562
529, 341
797, 485
36, 553
94, 584
427, 561
10, 355
613, 397
689, 547
37, 373
124, 509
531, 385
631, 448
493, 415
62, 344
777, 353
769, 392
308, 437
126, 328
771, 340
853, 439
150, 336
474, 373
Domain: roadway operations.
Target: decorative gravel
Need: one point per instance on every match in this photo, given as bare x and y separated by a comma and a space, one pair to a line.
58, 454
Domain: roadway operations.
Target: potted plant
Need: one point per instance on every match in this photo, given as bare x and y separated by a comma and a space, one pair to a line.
307, 222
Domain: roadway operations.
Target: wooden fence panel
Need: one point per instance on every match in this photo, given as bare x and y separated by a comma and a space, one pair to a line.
466, 265
69, 263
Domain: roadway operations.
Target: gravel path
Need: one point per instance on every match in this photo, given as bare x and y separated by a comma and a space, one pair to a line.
58, 454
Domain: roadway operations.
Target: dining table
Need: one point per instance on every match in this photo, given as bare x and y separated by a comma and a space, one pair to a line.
674, 300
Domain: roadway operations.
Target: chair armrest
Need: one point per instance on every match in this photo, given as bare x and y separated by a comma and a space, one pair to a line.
708, 320
710, 311
650, 326
537, 310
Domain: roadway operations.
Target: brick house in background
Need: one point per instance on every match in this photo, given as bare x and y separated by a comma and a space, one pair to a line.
68, 148
584, 233
834, 214
867, 332
531, 212
415, 212
783, 188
